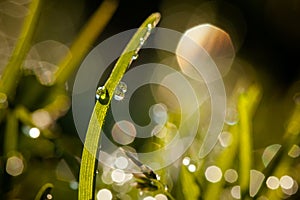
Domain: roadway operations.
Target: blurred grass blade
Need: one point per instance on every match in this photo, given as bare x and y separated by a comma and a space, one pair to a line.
12, 71
246, 105
224, 161
189, 187
11, 134
87, 168
87, 37
44, 192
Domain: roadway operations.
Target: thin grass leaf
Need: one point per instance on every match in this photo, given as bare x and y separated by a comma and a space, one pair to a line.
284, 163
224, 161
11, 134
44, 192
85, 40
189, 186
12, 71
87, 168
246, 104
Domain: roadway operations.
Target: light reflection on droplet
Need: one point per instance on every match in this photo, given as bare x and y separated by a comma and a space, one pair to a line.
14, 166
231, 175
161, 197
135, 56
232, 116
294, 152
121, 162
102, 95
123, 132
286, 182
256, 180
269, 153
236, 192
186, 161
192, 168
104, 194
272, 182
118, 175
34, 132
225, 138
213, 174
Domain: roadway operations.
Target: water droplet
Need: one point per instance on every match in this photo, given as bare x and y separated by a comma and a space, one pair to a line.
119, 95
102, 95
122, 86
135, 56
142, 40
149, 27
231, 117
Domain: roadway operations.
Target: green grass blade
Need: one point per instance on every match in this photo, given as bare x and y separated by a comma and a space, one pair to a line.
12, 71
246, 105
87, 168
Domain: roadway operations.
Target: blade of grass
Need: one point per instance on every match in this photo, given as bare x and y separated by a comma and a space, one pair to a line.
12, 71
11, 134
284, 162
87, 168
246, 104
85, 40
42, 193
224, 161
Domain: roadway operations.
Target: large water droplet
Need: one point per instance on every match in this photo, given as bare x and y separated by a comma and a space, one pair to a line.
122, 86
119, 95
102, 95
